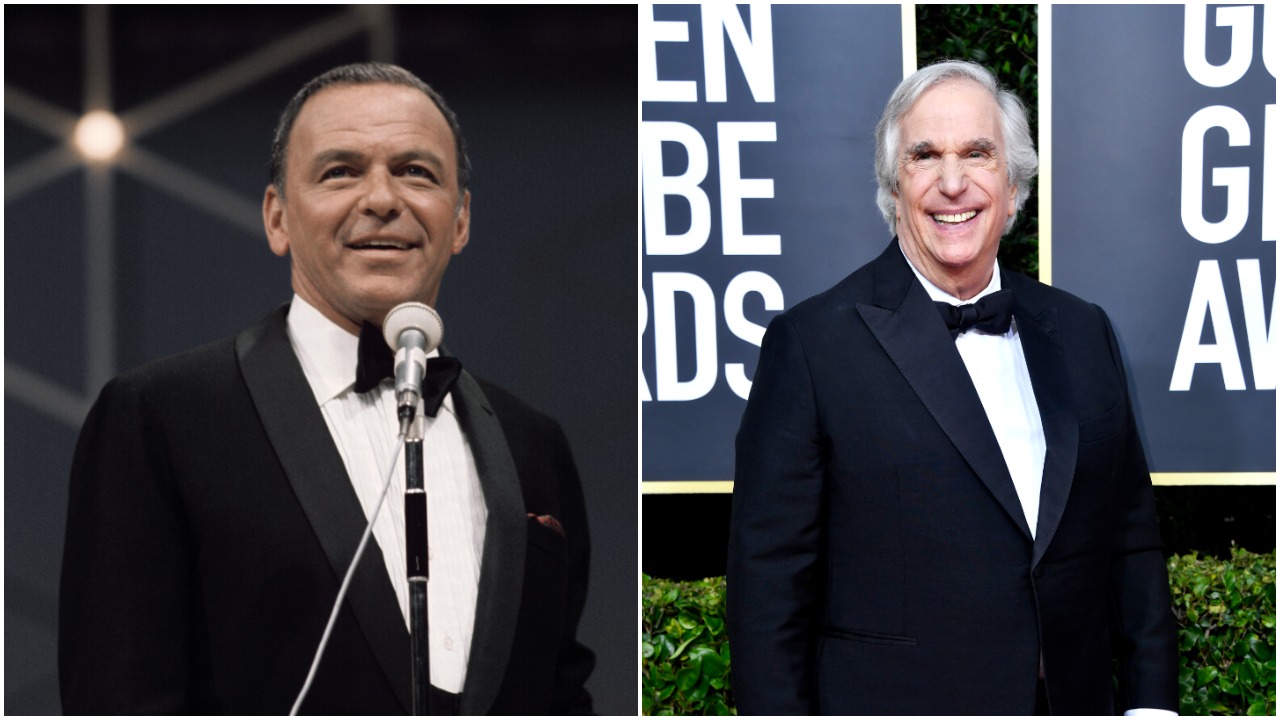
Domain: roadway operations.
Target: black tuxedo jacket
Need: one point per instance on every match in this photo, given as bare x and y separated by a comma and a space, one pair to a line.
211, 522
880, 561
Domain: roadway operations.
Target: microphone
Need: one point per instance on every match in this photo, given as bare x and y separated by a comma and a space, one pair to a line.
412, 329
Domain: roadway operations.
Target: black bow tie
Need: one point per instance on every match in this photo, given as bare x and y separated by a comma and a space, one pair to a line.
376, 363
991, 314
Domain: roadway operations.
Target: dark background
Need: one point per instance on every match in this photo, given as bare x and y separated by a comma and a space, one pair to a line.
541, 301
686, 537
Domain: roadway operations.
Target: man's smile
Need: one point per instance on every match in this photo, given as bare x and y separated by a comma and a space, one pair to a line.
954, 218
381, 243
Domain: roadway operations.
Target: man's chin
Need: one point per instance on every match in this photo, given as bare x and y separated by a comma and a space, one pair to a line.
374, 309
962, 248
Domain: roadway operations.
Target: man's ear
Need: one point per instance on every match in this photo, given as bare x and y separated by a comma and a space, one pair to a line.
275, 220
1013, 200
462, 224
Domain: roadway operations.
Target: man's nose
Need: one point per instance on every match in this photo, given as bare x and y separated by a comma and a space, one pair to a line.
952, 179
381, 197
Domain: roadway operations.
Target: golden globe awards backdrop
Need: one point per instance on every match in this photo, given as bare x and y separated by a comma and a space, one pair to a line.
1162, 165
757, 185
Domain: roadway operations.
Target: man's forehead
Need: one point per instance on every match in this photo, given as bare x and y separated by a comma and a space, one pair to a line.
345, 104
950, 104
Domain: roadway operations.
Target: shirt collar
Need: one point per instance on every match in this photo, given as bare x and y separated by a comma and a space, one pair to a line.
328, 354
937, 294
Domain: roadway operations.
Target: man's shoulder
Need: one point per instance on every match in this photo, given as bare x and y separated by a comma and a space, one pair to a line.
199, 365
866, 284
1040, 298
856, 288
190, 383
529, 432
513, 412
538, 446
204, 371
1084, 327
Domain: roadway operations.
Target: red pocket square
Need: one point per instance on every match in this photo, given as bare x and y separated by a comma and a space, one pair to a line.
549, 522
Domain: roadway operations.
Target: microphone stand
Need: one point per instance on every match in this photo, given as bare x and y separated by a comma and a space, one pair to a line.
415, 520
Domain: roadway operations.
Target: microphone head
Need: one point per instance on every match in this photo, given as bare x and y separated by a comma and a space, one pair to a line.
415, 316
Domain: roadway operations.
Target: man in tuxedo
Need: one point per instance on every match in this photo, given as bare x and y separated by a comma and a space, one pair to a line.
218, 496
941, 505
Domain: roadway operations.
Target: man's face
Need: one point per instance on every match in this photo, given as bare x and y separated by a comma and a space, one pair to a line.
954, 195
371, 213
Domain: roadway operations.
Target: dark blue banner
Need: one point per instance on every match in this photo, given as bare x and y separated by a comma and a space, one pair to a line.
756, 142
1165, 211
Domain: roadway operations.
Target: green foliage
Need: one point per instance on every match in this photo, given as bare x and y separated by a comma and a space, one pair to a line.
1226, 612
1003, 38
685, 648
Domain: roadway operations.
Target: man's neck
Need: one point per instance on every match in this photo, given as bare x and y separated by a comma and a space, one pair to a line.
970, 292
963, 284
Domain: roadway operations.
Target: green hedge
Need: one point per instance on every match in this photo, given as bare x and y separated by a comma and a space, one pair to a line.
1002, 38
685, 649
1226, 612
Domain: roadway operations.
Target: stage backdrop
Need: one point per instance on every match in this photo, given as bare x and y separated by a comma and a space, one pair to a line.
758, 191
1161, 203
110, 266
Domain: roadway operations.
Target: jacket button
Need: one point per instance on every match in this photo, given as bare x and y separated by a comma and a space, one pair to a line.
1038, 572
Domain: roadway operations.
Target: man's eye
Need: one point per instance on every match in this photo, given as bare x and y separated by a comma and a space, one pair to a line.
337, 172
417, 171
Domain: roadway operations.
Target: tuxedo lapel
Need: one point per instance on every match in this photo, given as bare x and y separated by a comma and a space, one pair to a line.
502, 569
910, 330
302, 442
1047, 365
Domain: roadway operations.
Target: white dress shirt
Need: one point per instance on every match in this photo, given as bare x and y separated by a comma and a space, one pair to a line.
998, 369
365, 430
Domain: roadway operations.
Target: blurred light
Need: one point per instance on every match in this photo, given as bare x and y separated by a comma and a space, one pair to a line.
99, 135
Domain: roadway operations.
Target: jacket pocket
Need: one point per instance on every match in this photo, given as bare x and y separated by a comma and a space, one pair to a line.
548, 541
866, 637
1101, 427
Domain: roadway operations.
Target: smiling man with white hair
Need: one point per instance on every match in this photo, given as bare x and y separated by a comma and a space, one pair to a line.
941, 504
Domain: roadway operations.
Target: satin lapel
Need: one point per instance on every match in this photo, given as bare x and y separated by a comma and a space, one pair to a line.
1037, 329
502, 568
907, 325
302, 442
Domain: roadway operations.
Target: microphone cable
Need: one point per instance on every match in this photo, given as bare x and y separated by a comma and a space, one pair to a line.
346, 582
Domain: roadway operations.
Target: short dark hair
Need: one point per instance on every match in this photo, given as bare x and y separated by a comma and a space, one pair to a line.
370, 73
